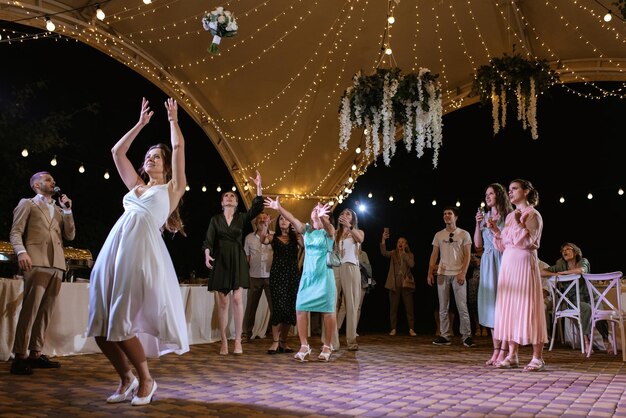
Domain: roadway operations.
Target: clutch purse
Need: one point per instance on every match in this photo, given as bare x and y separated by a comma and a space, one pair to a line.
332, 258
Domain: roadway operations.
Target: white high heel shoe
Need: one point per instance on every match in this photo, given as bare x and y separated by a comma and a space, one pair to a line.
121, 397
137, 401
302, 355
325, 356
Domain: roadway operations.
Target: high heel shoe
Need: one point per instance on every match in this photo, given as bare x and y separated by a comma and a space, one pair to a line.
325, 356
238, 351
224, 348
121, 397
282, 347
276, 350
137, 401
302, 355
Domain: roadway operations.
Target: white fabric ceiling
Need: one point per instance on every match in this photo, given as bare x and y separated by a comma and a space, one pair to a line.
269, 101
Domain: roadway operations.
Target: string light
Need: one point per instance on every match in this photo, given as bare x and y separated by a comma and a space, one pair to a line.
434, 202
147, 1
24, 153
370, 195
99, 13
608, 17
412, 201
458, 204
50, 24
106, 175
81, 169
53, 162
391, 198
234, 188
391, 20
358, 150
187, 188
354, 167
203, 189
246, 187
219, 189
589, 196
562, 199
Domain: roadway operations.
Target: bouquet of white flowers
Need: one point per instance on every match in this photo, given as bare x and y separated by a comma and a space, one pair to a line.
220, 23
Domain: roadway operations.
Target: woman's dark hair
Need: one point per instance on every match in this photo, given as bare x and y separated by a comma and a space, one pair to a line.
174, 222
533, 194
503, 204
354, 223
291, 233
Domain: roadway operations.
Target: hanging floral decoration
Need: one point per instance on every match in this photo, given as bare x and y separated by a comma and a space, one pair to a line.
385, 101
513, 78
221, 23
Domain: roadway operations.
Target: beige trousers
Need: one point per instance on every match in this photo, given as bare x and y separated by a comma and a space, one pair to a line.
41, 288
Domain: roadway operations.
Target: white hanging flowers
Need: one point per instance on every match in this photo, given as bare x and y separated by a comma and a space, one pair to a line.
514, 76
385, 101
221, 23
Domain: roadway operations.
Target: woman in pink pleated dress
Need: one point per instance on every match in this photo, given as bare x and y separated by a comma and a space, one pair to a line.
520, 316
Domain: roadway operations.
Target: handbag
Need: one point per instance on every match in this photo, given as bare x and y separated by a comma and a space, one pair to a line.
408, 281
332, 258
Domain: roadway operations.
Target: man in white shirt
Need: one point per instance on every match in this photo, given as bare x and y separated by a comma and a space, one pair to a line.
452, 247
260, 256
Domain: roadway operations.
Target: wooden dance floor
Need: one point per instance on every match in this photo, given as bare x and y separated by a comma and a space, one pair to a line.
389, 376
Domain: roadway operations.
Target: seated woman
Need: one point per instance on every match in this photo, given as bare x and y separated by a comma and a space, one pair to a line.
572, 262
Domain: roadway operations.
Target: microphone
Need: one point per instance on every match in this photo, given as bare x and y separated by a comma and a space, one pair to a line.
57, 190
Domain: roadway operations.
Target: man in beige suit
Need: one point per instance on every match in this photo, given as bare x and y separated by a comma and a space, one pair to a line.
39, 227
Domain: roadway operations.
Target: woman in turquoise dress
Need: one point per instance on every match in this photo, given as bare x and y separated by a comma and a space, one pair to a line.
498, 207
317, 291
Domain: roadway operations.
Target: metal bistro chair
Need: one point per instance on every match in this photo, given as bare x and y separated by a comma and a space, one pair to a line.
602, 309
563, 307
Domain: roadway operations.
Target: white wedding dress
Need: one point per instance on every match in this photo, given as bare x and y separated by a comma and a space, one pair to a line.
134, 290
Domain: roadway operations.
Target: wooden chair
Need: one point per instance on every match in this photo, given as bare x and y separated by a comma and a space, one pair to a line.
602, 309
563, 307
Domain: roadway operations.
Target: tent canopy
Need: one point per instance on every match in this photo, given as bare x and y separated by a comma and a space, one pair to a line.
269, 101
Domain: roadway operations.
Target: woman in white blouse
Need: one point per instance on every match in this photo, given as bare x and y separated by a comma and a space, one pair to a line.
348, 276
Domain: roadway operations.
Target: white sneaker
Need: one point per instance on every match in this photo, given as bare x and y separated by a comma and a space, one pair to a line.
393, 332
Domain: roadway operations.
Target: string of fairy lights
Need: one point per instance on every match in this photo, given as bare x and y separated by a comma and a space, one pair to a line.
335, 39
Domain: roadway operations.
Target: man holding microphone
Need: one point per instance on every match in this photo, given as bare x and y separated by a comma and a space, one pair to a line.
37, 233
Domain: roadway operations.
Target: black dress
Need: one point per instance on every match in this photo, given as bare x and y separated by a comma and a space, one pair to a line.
284, 281
230, 267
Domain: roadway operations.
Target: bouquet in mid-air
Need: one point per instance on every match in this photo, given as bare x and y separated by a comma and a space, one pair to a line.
221, 23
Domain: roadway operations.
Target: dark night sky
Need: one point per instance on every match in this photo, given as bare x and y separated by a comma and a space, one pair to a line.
578, 151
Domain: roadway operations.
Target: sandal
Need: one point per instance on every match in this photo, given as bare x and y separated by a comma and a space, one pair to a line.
302, 355
325, 356
535, 365
494, 358
508, 363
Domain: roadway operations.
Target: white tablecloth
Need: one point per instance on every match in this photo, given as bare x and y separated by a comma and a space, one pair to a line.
66, 334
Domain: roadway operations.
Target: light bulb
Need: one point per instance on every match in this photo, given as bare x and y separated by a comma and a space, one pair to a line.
562, 199
358, 150
106, 175
391, 20
53, 161
340, 199
388, 51
362, 208
370, 195
608, 16
147, 1
203, 189
353, 167
350, 180
346, 190
589, 196
99, 13
246, 187
50, 24
412, 201
234, 189
620, 191
81, 169
458, 204
219, 189
24, 152
187, 188
391, 198
434, 202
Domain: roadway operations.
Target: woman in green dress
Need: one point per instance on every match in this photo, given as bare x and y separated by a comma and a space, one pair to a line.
317, 291
226, 259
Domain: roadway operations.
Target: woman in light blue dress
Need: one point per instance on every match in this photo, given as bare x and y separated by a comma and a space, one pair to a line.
317, 291
498, 207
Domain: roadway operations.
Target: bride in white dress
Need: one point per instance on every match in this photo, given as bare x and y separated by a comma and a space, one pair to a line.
135, 305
